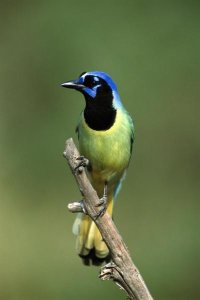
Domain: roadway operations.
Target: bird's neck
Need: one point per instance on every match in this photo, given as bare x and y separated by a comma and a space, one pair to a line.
99, 114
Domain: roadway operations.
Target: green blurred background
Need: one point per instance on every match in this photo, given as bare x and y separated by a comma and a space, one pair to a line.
151, 49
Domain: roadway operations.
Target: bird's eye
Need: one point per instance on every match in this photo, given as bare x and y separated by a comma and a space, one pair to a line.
90, 81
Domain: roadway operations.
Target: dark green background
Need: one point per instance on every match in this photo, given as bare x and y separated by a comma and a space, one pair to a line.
151, 49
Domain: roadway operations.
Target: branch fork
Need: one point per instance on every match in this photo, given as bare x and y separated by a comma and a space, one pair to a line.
122, 269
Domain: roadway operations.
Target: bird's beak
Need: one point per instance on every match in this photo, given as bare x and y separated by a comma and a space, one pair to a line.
73, 85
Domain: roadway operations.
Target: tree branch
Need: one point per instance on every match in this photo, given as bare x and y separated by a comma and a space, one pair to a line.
122, 270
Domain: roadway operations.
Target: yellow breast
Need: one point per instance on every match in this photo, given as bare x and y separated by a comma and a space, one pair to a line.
108, 151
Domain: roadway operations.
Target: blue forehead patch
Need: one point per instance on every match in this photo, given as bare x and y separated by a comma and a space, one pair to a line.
104, 76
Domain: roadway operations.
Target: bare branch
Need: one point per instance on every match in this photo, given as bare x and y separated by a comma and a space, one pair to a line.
122, 270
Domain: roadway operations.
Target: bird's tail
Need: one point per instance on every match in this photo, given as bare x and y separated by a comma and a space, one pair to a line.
89, 243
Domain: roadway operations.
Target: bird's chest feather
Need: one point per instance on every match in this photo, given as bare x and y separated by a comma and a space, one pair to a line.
108, 151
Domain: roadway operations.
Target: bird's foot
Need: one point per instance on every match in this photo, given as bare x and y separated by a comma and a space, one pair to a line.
83, 163
76, 207
102, 203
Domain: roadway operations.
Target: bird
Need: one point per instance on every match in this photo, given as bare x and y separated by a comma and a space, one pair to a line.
106, 135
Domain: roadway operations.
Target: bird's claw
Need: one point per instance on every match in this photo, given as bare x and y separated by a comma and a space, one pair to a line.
83, 163
102, 203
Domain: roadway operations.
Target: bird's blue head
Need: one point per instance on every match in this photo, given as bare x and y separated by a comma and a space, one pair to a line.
96, 85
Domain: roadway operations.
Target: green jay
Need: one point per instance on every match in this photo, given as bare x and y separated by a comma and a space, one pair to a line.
106, 134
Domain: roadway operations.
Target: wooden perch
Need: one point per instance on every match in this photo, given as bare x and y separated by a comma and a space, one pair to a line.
121, 270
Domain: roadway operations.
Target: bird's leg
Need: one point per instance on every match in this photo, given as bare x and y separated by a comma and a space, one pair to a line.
103, 202
83, 162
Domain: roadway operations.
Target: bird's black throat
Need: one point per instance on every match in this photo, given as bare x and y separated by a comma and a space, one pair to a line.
99, 113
